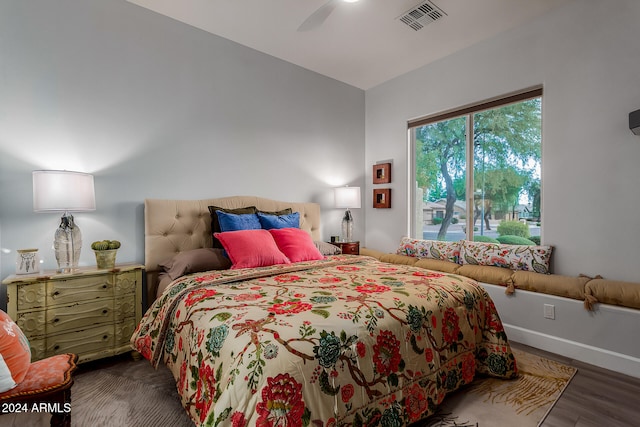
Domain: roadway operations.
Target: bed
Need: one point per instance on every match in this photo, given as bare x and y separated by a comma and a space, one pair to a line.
328, 340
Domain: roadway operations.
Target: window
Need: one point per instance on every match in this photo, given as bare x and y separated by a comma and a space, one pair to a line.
484, 184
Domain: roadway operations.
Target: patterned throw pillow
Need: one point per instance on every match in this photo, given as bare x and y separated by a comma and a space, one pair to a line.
514, 257
15, 354
435, 249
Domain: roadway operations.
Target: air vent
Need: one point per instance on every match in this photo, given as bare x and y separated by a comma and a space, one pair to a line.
421, 15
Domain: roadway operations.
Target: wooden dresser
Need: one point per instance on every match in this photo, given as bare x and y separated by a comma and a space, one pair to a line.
90, 312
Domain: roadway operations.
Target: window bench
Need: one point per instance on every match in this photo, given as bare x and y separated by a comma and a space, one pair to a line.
591, 290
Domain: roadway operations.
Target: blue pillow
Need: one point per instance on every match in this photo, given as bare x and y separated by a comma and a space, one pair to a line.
269, 222
235, 222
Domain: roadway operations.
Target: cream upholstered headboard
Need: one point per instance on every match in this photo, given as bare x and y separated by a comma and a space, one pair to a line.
172, 226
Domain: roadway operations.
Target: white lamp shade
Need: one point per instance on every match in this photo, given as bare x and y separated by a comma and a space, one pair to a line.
60, 191
347, 197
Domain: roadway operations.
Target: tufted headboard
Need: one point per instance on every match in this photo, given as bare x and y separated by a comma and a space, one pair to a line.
172, 226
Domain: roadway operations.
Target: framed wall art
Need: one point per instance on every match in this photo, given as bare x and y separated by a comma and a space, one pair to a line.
382, 173
382, 198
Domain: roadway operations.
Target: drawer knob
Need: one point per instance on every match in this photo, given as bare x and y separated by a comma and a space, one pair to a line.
56, 320
105, 311
104, 286
56, 293
56, 348
104, 337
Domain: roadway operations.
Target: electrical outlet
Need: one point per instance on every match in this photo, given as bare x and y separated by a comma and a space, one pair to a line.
549, 311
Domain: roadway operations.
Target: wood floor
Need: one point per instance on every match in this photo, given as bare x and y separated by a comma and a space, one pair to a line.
595, 397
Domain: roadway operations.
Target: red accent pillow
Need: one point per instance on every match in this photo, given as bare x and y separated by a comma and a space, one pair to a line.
15, 354
296, 244
251, 248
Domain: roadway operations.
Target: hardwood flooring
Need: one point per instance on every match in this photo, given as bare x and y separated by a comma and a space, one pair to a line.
595, 397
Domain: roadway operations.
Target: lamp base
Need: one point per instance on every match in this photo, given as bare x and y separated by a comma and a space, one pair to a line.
67, 244
347, 226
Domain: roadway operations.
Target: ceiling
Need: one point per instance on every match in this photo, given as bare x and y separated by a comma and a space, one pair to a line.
363, 43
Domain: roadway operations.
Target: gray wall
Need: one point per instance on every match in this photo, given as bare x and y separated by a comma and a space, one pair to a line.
158, 109
587, 56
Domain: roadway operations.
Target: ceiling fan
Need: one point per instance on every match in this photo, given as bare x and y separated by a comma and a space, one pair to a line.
321, 14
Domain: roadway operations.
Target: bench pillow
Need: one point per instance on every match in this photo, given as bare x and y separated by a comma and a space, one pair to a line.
514, 257
434, 249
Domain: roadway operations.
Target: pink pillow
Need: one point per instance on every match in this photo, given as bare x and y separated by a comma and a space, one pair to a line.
251, 248
15, 354
296, 244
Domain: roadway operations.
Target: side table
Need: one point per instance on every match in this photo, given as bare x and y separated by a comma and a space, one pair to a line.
349, 248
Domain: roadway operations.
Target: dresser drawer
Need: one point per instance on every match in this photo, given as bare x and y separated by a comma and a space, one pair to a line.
64, 318
76, 316
45, 293
78, 289
87, 341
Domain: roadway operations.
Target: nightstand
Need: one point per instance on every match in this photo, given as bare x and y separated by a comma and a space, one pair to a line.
349, 248
90, 312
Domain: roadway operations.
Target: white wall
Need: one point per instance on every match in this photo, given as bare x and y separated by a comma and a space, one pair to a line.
587, 56
157, 109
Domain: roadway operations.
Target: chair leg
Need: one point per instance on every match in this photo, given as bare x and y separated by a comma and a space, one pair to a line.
63, 418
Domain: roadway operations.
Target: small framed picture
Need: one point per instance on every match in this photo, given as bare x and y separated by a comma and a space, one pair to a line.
382, 173
382, 198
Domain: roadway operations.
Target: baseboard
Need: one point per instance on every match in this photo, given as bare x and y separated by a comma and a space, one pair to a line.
603, 358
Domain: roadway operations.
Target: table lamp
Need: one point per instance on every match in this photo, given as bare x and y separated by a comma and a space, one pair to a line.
64, 191
349, 198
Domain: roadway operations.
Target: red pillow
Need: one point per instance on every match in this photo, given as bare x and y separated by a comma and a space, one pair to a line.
15, 354
296, 244
251, 248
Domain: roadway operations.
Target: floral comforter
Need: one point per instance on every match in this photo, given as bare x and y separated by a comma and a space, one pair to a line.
343, 341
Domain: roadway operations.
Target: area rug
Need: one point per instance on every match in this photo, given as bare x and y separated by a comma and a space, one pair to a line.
523, 402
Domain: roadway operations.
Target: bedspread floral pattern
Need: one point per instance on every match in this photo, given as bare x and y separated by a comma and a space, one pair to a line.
343, 341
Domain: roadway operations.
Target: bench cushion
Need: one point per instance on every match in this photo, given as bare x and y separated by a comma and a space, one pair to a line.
615, 292
552, 284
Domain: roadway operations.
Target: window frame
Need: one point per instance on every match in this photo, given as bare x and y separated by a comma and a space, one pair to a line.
468, 112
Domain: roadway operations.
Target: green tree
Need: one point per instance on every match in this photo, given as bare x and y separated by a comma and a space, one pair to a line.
532, 187
506, 144
502, 186
443, 153
426, 174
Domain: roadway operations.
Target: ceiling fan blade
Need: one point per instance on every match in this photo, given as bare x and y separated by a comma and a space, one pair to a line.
319, 16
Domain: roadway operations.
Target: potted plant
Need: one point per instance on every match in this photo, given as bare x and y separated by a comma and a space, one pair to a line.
105, 251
